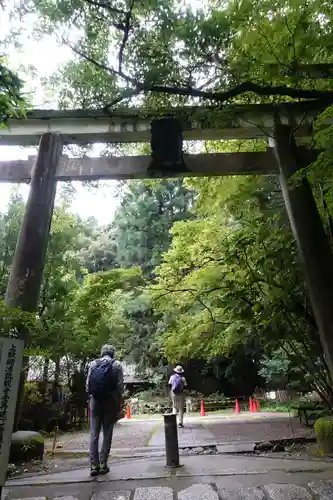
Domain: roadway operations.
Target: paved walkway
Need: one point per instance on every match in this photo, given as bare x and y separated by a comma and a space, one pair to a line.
231, 429
193, 434
257, 427
200, 478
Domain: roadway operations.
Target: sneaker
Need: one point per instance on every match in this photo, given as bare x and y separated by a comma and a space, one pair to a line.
181, 426
94, 470
103, 469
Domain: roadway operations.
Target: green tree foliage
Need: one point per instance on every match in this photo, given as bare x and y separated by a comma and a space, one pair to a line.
275, 370
141, 344
11, 97
99, 250
85, 300
170, 54
144, 219
96, 313
11, 319
233, 276
62, 273
10, 222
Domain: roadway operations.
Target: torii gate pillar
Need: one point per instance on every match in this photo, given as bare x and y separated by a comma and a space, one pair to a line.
310, 236
28, 263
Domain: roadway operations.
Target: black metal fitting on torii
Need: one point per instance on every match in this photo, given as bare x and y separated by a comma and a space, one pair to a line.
166, 148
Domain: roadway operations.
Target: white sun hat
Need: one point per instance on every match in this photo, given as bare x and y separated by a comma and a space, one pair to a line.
179, 369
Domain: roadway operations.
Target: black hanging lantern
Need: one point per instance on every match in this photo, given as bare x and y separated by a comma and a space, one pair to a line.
166, 148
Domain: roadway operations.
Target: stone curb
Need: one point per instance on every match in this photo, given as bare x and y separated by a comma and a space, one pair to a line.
313, 490
153, 450
168, 474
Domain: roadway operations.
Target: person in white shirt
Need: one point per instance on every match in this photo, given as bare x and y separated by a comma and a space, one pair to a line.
177, 383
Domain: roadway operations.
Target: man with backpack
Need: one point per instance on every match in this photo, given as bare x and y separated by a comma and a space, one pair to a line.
177, 383
104, 385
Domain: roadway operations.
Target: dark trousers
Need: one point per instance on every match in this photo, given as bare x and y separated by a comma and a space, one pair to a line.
103, 414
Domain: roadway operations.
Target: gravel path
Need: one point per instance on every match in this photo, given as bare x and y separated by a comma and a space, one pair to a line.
131, 434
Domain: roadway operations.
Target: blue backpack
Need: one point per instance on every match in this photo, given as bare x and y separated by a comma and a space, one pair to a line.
103, 379
177, 384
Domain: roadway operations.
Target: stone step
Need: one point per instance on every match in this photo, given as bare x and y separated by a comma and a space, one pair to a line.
316, 490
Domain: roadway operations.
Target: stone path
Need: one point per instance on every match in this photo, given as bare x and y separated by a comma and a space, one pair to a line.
259, 427
314, 490
244, 428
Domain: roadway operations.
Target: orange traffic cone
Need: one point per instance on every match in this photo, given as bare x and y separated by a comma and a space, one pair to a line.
128, 412
202, 409
237, 409
251, 405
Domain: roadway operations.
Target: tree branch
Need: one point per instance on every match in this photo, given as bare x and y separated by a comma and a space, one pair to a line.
106, 5
221, 97
292, 34
187, 290
204, 305
127, 94
268, 41
127, 28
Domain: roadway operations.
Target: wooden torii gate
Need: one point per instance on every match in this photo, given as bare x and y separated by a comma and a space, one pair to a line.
277, 123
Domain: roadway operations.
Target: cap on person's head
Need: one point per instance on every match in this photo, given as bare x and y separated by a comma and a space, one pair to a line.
107, 350
179, 369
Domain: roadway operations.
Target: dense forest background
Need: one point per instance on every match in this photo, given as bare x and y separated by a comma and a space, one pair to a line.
211, 281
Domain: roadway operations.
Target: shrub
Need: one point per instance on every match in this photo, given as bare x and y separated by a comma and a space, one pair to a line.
309, 405
324, 433
149, 395
39, 415
26, 446
270, 406
32, 394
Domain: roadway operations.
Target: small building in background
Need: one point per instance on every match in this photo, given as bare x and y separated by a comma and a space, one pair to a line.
132, 381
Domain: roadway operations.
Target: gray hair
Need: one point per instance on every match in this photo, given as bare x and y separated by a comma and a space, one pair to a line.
107, 350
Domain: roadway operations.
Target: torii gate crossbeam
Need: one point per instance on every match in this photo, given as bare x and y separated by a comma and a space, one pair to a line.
133, 125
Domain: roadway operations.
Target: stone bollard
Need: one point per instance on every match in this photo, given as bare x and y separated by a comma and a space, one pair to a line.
171, 440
